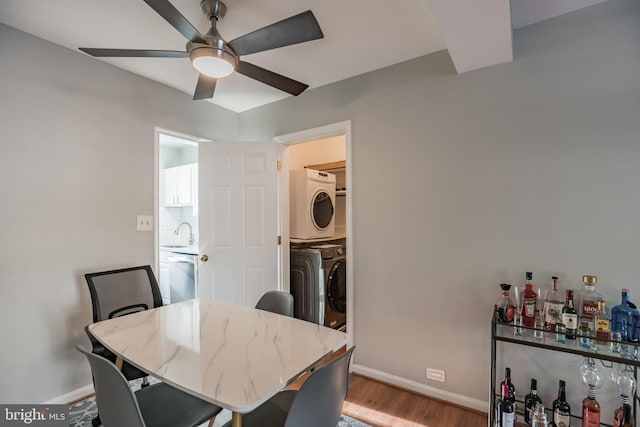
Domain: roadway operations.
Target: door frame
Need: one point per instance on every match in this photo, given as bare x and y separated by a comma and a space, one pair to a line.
330, 130
157, 131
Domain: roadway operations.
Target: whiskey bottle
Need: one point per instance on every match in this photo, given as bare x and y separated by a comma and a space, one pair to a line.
553, 307
531, 400
529, 301
570, 316
589, 301
561, 408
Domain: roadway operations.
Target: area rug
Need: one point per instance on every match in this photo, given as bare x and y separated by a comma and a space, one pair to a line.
82, 412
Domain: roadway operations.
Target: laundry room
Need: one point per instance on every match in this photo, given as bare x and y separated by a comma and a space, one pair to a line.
317, 200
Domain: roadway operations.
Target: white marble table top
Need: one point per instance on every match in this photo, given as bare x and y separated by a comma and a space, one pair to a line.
233, 356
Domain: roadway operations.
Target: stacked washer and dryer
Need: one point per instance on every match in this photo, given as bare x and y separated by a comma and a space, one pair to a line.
318, 263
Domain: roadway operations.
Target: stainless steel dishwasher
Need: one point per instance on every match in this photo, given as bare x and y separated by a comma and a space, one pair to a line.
182, 274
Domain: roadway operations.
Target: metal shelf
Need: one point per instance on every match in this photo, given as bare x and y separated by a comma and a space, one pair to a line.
502, 332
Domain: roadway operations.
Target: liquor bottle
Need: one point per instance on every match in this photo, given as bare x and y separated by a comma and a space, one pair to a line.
602, 325
570, 316
561, 408
622, 317
590, 410
504, 307
539, 418
529, 301
531, 400
589, 301
508, 410
511, 388
498, 413
623, 417
553, 307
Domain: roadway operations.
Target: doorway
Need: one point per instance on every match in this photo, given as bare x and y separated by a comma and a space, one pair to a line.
323, 143
176, 242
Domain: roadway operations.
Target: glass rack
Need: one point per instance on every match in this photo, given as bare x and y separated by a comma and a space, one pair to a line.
624, 352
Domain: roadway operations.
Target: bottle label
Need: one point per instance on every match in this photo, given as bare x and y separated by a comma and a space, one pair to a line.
510, 311
552, 314
603, 328
561, 420
591, 420
589, 308
529, 310
508, 419
570, 320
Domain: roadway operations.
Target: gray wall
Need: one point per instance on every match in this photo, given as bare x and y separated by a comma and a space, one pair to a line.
476, 178
76, 167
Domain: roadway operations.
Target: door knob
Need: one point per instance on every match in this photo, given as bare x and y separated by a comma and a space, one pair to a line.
204, 258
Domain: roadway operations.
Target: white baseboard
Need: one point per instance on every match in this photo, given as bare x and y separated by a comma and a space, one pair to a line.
447, 396
71, 396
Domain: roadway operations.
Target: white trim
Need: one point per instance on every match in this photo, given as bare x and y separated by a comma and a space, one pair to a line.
71, 396
447, 396
334, 129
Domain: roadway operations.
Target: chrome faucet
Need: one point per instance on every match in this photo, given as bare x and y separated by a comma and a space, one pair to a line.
177, 231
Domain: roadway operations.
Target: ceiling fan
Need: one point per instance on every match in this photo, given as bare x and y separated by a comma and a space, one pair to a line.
215, 58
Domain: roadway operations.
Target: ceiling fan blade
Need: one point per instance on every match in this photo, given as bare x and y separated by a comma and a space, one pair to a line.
176, 19
297, 29
270, 78
135, 53
205, 87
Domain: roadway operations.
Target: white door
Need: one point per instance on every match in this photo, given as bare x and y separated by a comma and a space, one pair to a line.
238, 221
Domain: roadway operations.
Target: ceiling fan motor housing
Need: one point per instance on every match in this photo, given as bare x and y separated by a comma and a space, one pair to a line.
213, 9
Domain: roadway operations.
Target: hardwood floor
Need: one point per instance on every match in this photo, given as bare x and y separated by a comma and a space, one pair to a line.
382, 405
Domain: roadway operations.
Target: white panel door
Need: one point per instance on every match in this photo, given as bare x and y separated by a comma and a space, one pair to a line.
237, 220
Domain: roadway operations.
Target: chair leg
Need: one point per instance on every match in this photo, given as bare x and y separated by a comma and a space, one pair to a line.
145, 382
211, 421
96, 421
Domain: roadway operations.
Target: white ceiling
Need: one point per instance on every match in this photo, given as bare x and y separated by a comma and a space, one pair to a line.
359, 36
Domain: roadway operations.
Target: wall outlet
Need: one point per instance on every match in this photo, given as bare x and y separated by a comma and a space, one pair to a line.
435, 375
145, 223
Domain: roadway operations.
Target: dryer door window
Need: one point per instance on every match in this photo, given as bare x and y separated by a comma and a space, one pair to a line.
337, 287
322, 210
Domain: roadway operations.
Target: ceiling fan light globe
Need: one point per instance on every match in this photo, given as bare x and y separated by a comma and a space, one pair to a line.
212, 62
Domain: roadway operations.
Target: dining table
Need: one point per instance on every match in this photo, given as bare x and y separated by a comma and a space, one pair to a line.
233, 356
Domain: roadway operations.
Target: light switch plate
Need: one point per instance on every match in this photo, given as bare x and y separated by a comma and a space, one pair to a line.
145, 223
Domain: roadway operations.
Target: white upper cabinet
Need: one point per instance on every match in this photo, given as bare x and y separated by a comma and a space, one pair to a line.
178, 185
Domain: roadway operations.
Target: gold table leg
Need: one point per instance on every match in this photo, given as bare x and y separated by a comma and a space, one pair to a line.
119, 363
236, 419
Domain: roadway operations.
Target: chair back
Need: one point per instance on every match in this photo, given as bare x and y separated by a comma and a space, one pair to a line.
319, 401
117, 405
276, 302
115, 293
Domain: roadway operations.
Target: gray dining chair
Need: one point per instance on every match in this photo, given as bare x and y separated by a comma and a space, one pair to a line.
158, 405
116, 293
318, 403
276, 302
